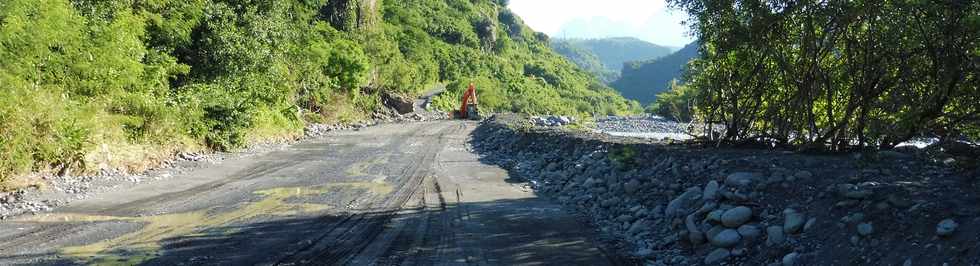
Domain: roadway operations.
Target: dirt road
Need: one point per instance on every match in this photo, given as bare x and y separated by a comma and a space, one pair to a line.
399, 194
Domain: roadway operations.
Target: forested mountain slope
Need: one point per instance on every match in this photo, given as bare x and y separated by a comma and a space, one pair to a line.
584, 58
643, 80
103, 84
611, 53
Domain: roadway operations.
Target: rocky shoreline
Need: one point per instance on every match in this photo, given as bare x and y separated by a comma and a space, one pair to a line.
684, 205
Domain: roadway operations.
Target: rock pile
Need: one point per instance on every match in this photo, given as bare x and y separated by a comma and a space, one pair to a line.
315, 130
683, 206
551, 121
640, 124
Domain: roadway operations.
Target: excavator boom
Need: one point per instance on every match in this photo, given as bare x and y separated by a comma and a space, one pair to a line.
468, 109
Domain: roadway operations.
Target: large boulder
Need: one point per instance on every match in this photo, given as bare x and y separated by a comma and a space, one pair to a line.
793, 221
742, 179
401, 104
682, 204
726, 238
736, 216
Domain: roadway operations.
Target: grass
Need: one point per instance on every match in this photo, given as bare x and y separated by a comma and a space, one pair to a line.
43, 132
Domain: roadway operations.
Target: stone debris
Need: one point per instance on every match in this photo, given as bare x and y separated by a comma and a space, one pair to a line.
552, 121
774, 235
717, 256
726, 238
793, 221
749, 232
650, 123
191, 156
751, 208
946, 227
688, 206
736, 217
790, 259
865, 229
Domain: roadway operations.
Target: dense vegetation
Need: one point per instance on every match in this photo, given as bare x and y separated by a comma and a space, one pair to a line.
837, 74
612, 53
644, 80
104, 84
676, 103
584, 58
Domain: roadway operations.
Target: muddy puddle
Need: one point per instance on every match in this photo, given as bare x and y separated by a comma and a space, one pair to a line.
145, 243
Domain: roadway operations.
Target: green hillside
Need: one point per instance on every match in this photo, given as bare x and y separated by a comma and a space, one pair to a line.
613, 52
105, 84
643, 80
585, 59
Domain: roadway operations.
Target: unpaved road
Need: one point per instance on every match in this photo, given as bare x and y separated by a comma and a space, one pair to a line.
399, 194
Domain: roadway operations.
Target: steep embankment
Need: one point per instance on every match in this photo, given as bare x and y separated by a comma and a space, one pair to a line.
684, 205
643, 80
104, 85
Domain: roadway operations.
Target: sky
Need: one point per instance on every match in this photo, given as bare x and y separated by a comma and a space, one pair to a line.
648, 20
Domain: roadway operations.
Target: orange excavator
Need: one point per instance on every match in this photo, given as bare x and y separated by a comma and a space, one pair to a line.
468, 110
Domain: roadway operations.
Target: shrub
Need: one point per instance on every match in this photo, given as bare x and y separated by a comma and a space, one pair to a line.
677, 103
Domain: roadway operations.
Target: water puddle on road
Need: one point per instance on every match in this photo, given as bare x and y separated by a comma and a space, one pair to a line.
145, 244
366, 168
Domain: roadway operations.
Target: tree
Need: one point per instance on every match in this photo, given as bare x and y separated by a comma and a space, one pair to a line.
836, 74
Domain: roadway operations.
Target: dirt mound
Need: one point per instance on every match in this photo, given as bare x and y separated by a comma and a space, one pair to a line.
683, 205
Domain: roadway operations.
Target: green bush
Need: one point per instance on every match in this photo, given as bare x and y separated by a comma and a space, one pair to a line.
41, 130
677, 103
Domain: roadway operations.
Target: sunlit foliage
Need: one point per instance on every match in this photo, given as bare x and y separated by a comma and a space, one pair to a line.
81, 78
837, 74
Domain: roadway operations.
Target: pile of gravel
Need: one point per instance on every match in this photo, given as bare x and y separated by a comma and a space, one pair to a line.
552, 121
679, 205
650, 127
316, 130
640, 124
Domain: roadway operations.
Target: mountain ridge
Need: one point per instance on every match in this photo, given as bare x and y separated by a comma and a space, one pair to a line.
643, 80
604, 57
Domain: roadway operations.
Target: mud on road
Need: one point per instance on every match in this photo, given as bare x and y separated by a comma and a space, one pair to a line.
396, 194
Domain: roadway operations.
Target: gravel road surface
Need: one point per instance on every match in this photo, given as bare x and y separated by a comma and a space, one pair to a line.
395, 194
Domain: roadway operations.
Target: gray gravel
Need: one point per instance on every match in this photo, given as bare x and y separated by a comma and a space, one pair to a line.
681, 205
640, 124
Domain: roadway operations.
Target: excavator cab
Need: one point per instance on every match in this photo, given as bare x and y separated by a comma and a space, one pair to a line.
468, 109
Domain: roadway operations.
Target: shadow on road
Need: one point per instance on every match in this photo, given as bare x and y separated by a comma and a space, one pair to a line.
502, 236
524, 231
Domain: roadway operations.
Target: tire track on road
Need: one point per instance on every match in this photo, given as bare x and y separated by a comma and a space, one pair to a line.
340, 244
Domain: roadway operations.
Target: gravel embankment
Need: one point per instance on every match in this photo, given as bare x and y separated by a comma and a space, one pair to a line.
684, 205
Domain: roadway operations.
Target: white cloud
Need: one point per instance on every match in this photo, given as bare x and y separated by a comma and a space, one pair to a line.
645, 19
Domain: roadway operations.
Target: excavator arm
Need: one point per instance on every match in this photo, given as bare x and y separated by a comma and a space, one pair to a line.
468, 109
